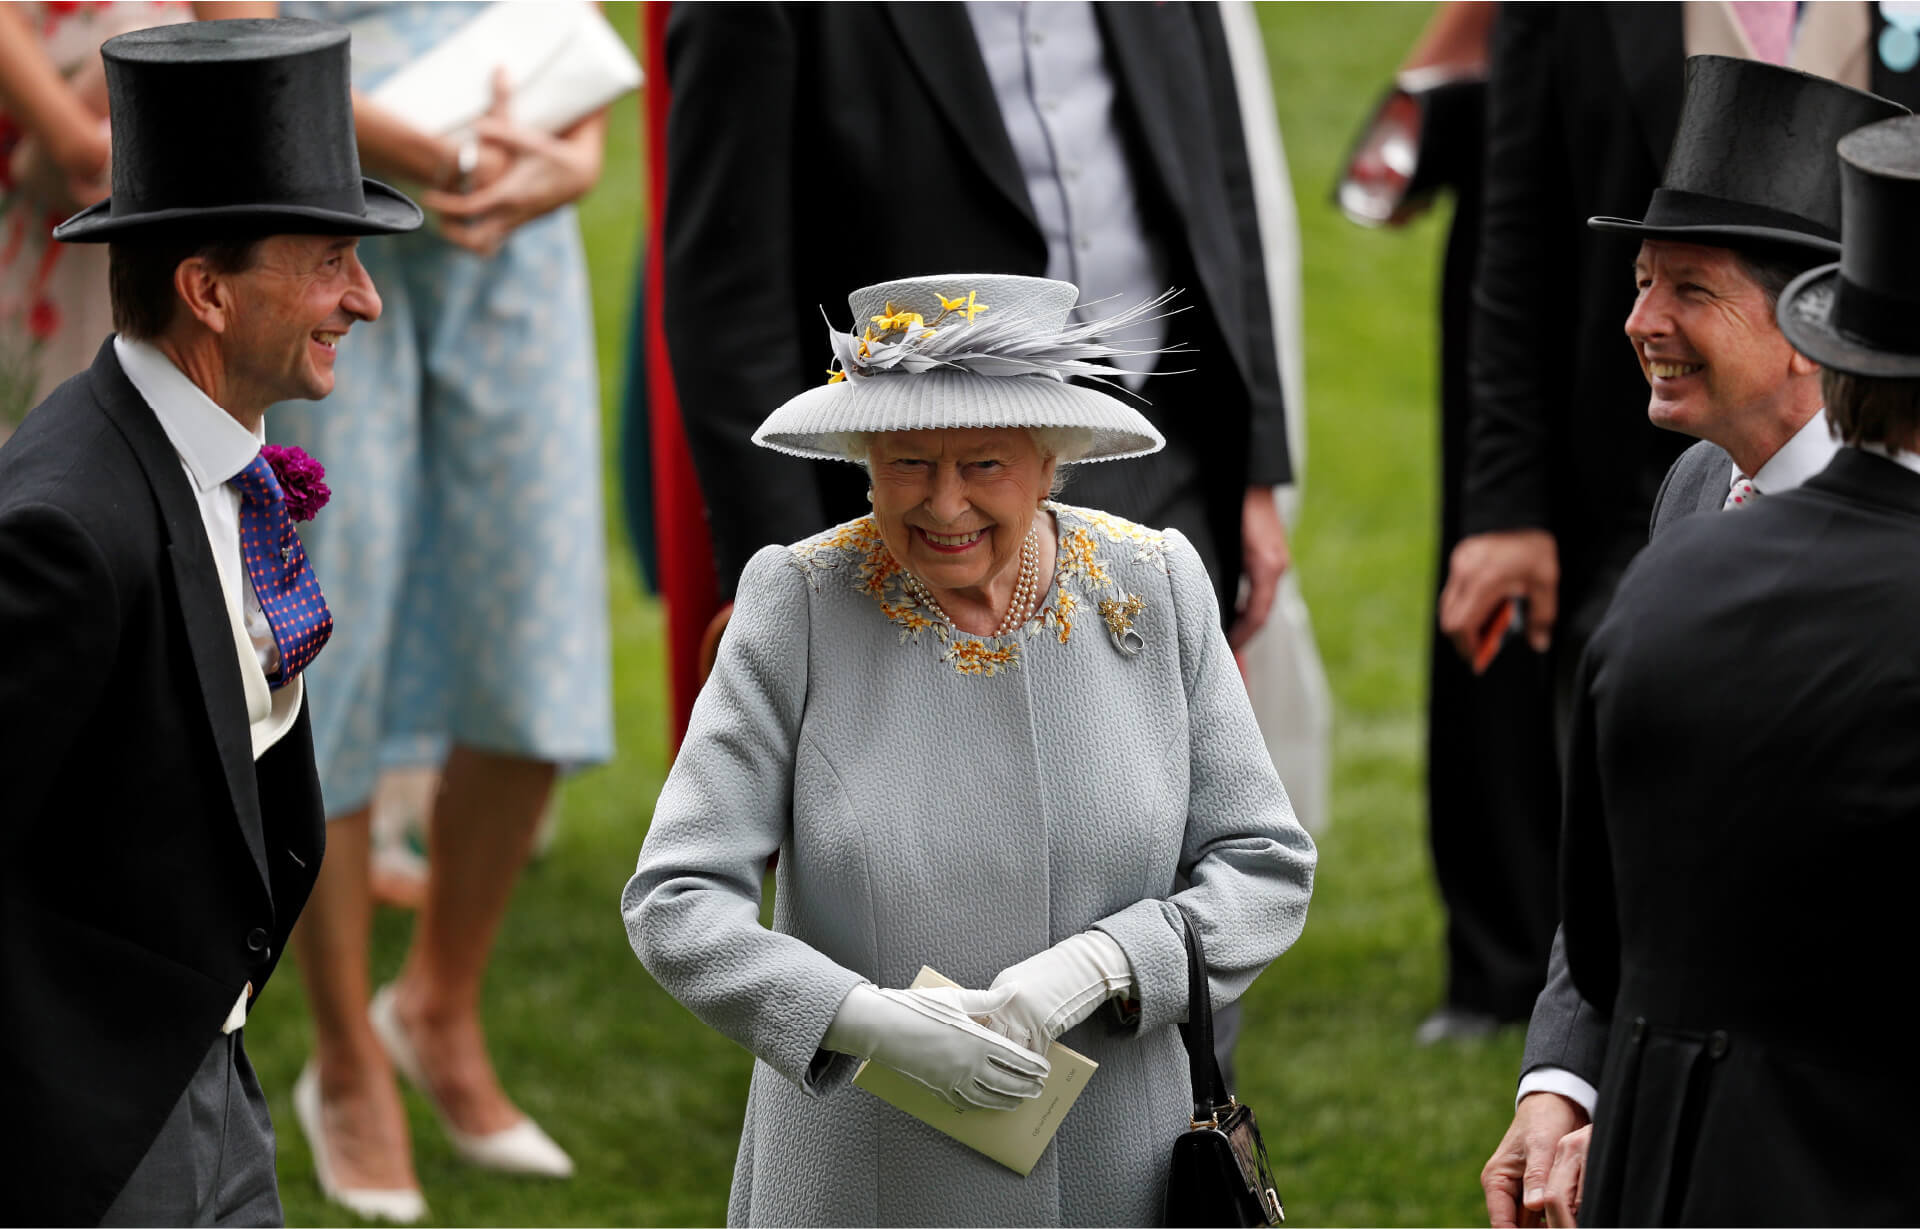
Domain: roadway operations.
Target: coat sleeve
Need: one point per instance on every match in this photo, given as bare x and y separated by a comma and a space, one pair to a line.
1566, 1031
1269, 462
692, 908
738, 349
1592, 922
59, 615
1519, 334
1249, 862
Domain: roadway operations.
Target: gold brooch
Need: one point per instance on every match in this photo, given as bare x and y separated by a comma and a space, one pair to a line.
1118, 615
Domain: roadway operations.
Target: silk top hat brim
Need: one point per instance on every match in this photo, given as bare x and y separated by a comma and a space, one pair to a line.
1862, 315
1752, 160
235, 128
383, 211
1016, 376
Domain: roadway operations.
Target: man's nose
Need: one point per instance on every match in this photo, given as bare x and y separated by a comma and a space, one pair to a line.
1650, 316
361, 299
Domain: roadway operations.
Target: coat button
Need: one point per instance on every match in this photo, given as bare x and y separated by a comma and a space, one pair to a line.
1639, 1029
1717, 1044
257, 940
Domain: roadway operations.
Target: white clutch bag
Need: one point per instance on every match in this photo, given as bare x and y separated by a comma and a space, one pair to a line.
563, 62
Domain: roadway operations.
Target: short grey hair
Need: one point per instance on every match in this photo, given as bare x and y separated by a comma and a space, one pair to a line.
1064, 444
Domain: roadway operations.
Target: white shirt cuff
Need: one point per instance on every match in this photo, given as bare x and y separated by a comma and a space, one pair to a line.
1562, 1081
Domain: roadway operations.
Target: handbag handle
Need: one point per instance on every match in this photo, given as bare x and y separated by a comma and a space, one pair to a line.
1210, 1095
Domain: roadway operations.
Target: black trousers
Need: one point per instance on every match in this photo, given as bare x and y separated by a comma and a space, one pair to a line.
1493, 782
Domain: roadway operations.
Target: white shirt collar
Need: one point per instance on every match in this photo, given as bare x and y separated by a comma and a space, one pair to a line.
1899, 456
211, 442
1804, 454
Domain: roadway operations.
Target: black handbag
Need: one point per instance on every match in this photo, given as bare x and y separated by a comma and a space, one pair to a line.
1219, 1174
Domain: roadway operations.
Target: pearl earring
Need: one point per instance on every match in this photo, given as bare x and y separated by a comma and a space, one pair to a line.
869, 494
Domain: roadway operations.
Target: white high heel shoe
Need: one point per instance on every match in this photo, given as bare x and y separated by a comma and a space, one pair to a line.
401, 1205
522, 1148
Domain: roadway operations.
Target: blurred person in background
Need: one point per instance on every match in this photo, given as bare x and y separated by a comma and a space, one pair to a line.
467, 574
56, 159
1750, 198
1491, 768
1099, 144
1562, 469
871, 717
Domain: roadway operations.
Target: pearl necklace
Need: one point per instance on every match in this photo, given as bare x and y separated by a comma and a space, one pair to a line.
1025, 587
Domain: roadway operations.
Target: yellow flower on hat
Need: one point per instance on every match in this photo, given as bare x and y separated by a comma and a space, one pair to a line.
898, 318
866, 344
834, 377
968, 307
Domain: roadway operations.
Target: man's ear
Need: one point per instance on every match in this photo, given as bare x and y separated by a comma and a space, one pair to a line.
1801, 365
204, 293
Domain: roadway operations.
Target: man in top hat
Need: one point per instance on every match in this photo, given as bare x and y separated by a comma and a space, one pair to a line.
158, 805
1743, 801
1583, 102
1750, 198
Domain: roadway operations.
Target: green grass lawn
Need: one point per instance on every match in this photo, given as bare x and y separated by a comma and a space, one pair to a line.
1364, 1128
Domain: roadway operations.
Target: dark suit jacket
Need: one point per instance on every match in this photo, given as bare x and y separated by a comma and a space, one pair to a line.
149, 867
1743, 818
1583, 101
814, 149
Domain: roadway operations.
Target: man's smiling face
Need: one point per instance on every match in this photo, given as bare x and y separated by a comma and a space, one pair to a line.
1704, 333
291, 309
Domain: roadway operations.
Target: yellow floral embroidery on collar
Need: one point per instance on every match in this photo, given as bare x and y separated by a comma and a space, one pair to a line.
1078, 566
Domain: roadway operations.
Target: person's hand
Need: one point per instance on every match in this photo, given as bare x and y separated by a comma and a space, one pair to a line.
1051, 992
1537, 1164
64, 188
932, 1036
1488, 569
1567, 1178
543, 173
1264, 559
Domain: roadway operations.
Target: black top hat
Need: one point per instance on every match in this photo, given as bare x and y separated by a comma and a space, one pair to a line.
235, 127
1752, 161
1863, 314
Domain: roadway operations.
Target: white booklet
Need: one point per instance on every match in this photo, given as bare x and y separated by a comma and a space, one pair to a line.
1014, 1137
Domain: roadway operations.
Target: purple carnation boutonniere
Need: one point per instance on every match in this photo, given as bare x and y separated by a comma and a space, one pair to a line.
300, 479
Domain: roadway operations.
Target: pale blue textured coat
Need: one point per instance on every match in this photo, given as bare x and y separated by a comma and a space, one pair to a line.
927, 815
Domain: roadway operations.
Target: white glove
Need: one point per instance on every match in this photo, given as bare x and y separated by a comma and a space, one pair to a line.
1060, 987
930, 1036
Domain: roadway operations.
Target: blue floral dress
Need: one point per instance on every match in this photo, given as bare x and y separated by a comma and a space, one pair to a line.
463, 554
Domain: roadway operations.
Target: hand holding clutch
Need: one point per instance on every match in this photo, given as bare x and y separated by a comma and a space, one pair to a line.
930, 1036
1055, 990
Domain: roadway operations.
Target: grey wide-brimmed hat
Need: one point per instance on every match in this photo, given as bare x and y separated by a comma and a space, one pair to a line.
968, 350
1752, 159
1862, 315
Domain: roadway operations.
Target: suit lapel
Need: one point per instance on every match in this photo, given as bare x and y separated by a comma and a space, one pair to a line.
1137, 55
203, 605
1716, 479
1648, 44
940, 45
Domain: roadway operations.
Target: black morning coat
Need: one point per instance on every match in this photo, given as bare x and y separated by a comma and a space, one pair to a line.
1581, 108
149, 867
816, 148
1742, 824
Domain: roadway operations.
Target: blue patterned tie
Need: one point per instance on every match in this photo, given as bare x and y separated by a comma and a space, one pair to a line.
282, 578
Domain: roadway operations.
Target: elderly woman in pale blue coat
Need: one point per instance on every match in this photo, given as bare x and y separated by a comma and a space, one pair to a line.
986, 733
